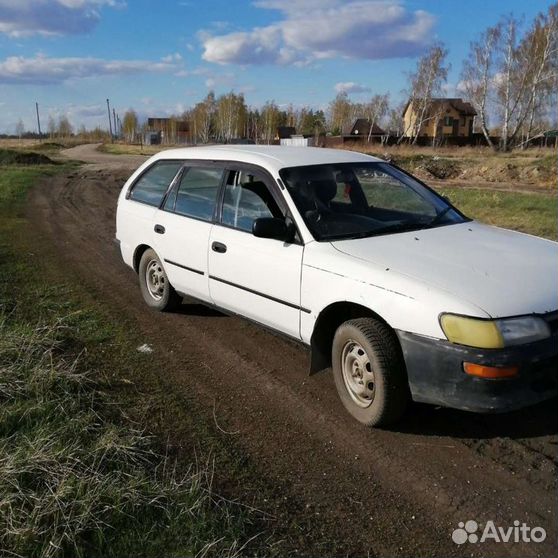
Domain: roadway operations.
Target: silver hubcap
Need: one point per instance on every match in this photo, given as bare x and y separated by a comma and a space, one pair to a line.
357, 374
155, 279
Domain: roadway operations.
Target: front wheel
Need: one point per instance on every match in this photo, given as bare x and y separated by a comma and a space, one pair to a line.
154, 284
369, 371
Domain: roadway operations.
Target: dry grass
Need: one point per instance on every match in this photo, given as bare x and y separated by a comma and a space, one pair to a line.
406, 150
134, 149
76, 475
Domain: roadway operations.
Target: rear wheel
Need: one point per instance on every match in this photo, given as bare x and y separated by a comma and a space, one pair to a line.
154, 284
369, 371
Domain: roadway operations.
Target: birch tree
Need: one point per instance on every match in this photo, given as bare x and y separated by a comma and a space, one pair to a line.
513, 78
130, 125
230, 116
19, 128
425, 83
538, 53
64, 127
478, 74
203, 115
51, 126
341, 113
270, 120
375, 110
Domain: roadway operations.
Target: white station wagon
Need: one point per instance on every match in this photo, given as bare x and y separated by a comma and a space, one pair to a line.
402, 295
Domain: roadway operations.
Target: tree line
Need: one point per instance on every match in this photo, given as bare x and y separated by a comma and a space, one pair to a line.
510, 76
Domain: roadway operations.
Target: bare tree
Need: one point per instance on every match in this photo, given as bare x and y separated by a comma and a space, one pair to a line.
375, 110
270, 120
478, 74
130, 125
203, 115
253, 124
19, 128
513, 78
51, 126
230, 116
508, 93
341, 113
538, 53
425, 83
64, 128
395, 119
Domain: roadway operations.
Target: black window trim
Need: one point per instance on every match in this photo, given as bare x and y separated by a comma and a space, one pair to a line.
275, 190
228, 166
176, 184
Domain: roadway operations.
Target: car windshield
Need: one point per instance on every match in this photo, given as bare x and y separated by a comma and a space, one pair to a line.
356, 200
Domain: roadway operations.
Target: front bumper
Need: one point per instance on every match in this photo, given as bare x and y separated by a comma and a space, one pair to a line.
436, 375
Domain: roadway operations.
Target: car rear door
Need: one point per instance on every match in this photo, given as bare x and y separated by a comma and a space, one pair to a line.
255, 277
183, 225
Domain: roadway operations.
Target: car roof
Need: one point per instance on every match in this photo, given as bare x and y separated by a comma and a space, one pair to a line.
271, 157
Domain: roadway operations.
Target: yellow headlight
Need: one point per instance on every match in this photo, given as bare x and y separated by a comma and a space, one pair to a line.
483, 334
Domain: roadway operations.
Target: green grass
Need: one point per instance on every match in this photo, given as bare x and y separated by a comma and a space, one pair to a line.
530, 213
78, 477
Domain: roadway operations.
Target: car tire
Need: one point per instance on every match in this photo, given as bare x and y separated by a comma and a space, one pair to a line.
155, 287
369, 371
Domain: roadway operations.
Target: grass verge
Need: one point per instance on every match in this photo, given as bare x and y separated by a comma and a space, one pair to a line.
78, 477
133, 149
529, 213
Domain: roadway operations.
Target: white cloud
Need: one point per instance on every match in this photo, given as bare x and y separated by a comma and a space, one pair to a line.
87, 111
350, 87
42, 70
321, 29
176, 57
221, 81
51, 17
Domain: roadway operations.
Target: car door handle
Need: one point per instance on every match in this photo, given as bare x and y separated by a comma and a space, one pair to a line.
219, 247
159, 229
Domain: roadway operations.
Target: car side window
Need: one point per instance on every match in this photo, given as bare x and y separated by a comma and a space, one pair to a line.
197, 192
154, 182
246, 199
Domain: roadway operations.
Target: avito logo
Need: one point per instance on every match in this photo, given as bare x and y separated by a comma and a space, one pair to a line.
468, 531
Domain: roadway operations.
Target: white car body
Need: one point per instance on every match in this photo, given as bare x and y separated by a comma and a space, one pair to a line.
408, 279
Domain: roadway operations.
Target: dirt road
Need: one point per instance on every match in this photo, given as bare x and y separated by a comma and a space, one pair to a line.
398, 492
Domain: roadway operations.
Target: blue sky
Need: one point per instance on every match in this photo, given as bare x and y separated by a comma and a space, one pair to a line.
160, 57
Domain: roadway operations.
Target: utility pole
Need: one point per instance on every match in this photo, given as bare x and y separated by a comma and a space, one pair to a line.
114, 121
110, 121
38, 119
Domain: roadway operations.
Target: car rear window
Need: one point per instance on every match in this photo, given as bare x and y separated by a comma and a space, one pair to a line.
154, 182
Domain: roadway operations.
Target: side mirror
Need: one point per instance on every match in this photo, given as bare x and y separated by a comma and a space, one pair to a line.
272, 227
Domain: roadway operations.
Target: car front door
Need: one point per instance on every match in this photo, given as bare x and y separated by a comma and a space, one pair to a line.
255, 277
184, 225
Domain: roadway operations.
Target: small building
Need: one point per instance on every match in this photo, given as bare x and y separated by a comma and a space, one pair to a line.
445, 117
360, 130
170, 130
285, 132
152, 138
298, 141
